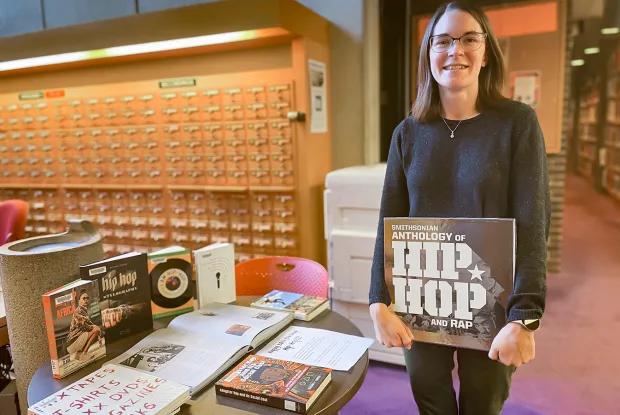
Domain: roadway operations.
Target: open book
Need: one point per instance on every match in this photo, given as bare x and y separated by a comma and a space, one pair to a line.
198, 347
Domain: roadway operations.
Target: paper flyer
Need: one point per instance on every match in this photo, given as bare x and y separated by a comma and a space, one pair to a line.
525, 87
317, 347
318, 96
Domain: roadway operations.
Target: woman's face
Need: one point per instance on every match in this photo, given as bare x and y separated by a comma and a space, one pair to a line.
84, 300
456, 65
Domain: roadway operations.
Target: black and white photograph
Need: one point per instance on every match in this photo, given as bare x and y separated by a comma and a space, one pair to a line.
154, 357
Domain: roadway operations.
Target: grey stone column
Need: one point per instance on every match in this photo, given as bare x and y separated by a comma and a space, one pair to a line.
28, 269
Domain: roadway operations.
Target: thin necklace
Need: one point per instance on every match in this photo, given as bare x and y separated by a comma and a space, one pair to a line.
451, 130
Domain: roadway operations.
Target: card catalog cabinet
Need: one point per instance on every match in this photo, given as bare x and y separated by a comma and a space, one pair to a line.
187, 161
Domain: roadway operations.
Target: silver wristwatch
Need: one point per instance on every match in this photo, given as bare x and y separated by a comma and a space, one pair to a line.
531, 325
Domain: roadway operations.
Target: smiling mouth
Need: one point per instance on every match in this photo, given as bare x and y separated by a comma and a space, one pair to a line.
455, 67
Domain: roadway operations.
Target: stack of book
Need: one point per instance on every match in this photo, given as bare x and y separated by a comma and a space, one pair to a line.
303, 307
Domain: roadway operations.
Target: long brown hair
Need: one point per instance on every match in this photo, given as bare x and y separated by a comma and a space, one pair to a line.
427, 106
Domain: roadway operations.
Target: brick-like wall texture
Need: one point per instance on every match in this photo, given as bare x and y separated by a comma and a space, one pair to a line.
557, 165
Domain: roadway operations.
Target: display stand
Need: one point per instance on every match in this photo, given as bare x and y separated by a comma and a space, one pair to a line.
220, 142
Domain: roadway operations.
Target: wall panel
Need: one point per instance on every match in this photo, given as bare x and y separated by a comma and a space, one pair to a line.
17, 17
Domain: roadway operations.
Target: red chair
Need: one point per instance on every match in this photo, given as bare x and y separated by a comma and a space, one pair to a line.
13, 214
258, 276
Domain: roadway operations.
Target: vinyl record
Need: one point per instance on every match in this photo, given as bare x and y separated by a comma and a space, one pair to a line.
171, 283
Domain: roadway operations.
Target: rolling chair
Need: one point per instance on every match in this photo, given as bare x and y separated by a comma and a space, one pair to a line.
258, 276
13, 214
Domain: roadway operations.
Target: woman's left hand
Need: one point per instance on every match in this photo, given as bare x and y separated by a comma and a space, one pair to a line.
513, 345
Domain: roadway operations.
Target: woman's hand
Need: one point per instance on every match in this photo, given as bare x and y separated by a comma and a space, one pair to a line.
389, 328
513, 346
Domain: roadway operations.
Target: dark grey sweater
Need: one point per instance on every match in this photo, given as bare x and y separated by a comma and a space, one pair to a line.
495, 166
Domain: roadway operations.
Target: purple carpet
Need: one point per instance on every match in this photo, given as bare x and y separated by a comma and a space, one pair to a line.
577, 365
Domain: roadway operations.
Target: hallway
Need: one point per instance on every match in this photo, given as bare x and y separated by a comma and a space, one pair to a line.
577, 369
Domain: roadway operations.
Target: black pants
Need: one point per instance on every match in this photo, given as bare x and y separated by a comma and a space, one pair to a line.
484, 383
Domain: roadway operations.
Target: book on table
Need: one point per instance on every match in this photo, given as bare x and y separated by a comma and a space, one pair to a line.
115, 389
304, 307
74, 328
277, 383
125, 291
199, 346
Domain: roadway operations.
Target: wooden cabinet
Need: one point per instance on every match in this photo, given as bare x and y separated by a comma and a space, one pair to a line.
182, 148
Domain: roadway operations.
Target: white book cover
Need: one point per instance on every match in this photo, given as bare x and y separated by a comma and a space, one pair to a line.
215, 273
115, 389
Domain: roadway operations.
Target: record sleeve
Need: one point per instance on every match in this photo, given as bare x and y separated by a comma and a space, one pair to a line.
172, 281
450, 279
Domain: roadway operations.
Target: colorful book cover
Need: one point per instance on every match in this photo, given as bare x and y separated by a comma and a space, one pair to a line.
276, 383
305, 307
124, 286
74, 327
277, 300
450, 279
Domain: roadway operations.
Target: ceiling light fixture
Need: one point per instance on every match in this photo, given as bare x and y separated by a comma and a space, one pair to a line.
591, 51
150, 47
577, 62
610, 30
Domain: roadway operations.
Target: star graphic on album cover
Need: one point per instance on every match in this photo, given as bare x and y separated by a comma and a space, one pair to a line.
476, 273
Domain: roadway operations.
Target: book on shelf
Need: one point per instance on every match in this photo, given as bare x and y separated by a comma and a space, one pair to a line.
304, 307
450, 278
276, 383
115, 389
199, 346
73, 325
125, 290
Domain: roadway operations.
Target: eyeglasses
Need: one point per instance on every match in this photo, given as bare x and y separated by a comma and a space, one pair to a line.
469, 42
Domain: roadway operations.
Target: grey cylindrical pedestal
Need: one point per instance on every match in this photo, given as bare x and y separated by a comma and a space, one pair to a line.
28, 269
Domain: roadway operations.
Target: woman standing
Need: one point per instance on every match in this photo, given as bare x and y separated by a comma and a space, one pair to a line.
466, 151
